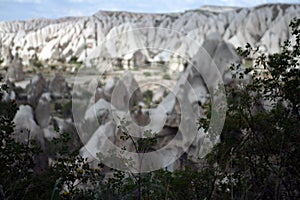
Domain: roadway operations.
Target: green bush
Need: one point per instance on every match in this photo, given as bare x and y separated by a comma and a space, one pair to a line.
259, 153
166, 77
16, 159
147, 74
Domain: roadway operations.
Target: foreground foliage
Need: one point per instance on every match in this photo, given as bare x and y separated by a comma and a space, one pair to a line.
259, 154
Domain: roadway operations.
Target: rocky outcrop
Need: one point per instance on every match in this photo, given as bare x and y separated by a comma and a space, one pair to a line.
42, 112
26, 129
15, 70
62, 38
175, 117
109, 87
97, 141
36, 88
126, 93
58, 86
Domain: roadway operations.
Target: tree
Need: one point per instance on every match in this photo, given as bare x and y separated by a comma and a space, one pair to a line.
259, 153
16, 159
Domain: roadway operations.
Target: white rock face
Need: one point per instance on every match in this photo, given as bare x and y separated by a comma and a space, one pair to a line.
126, 93
37, 86
159, 95
26, 128
176, 113
96, 142
109, 87
42, 112
101, 109
82, 36
58, 86
15, 70
223, 55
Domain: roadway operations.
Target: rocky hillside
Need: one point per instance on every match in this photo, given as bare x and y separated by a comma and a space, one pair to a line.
265, 26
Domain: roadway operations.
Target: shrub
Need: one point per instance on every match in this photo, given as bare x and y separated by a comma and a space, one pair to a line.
147, 74
166, 77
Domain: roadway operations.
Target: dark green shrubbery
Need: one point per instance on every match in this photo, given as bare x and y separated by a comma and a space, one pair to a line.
36, 62
259, 153
16, 159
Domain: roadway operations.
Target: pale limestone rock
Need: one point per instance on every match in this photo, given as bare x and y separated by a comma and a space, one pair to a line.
99, 94
99, 110
159, 95
58, 86
15, 70
37, 87
126, 93
96, 142
26, 128
82, 36
109, 87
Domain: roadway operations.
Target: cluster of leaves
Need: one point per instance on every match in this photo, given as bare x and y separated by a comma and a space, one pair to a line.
147, 74
63, 108
36, 62
16, 159
74, 60
148, 95
166, 77
260, 139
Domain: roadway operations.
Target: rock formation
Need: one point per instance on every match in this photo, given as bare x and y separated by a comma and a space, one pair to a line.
36, 88
15, 70
58, 86
42, 112
80, 36
175, 117
26, 129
